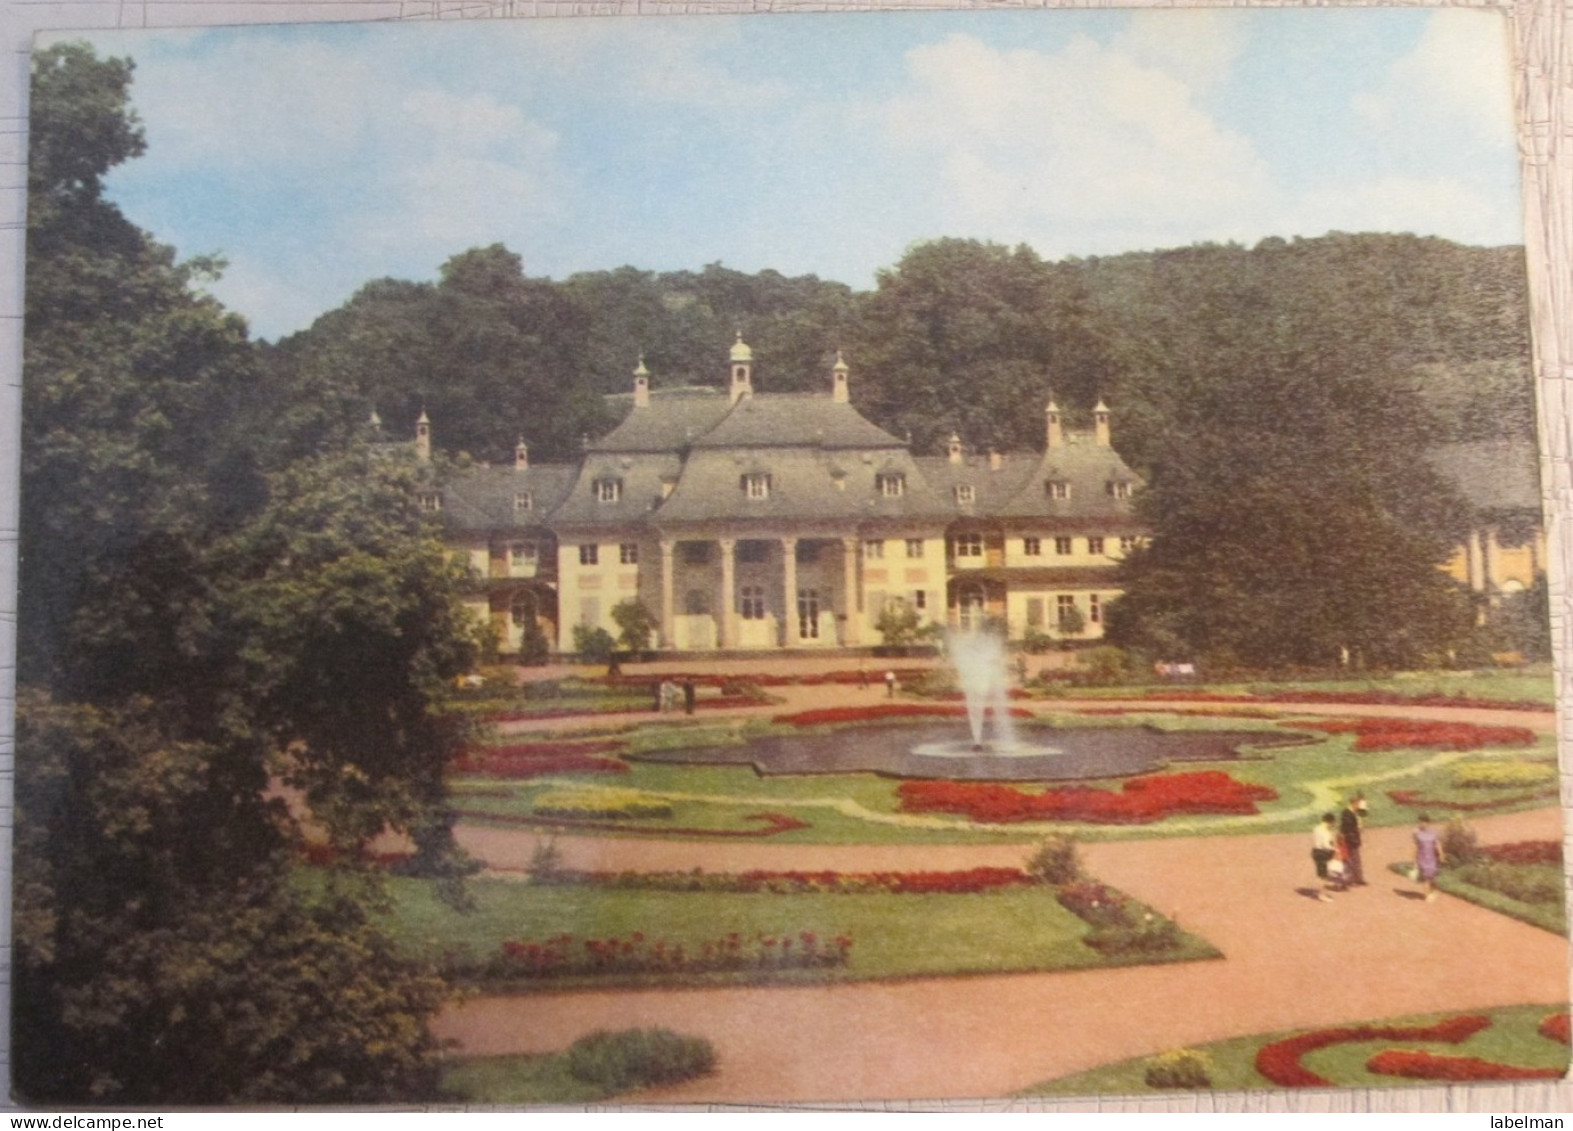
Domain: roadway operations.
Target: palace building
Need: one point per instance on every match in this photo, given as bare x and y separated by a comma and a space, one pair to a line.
756, 521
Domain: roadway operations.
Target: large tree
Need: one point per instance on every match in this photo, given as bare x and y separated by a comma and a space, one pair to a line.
202, 613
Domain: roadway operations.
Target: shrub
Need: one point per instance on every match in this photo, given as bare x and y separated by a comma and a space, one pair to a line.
1152, 936
639, 1058
594, 645
1502, 775
546, 861
635, 623
1179, 1068
1460, 846
1056, 861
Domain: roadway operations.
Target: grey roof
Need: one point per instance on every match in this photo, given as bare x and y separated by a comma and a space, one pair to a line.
1492, 475
672, 420
990, 489
483, 499
795, 420
803, 485
641, 477
1089, 468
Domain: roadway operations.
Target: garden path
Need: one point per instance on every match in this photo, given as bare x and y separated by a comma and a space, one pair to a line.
1290, 962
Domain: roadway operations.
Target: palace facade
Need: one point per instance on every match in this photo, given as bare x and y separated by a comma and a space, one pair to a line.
756, 521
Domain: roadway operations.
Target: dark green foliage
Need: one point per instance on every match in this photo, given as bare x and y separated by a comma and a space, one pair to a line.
594, 645
1460, 844
636, 624
1182, 1068
639, 1058
1157, 936
1527, 883
1057, 861
899, 625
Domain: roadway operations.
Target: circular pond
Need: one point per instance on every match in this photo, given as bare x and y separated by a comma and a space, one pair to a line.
906, 750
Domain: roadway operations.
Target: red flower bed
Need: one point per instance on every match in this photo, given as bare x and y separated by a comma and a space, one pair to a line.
1525, 852
537, 759
1418, 1065
792, 882
1362, 698
874, 712
1556, 1028
1394, 734
1140, 801
1412, 799
1280, 1060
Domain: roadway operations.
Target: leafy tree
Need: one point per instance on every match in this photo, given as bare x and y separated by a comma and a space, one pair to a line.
636, 624
594, 645
899, 624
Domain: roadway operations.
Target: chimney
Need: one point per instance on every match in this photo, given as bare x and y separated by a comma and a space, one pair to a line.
423, 438
641, 385
838, 380
953, 449
742, 369
521, 455
1100, 423
1055, 425
996, 461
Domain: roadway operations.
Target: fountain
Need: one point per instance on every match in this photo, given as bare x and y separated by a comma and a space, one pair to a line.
979, 660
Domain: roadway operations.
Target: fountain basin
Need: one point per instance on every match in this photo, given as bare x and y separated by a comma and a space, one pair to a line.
942, 750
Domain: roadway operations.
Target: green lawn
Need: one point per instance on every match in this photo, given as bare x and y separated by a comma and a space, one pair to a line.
1532, 684
1549, 916
1511, 1039
517, 1080
894, 936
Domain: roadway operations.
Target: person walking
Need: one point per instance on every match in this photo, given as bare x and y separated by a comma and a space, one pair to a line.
1324, 851
1429, 856
1350, 822
890, 685
688, 696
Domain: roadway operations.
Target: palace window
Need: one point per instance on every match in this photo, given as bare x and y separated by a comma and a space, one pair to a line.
969, 545
628, 553
1057, 488
1065, 607
751, 602
1094, 609
1127, 544
1063, 546
920, 599
914, 547
522, 553
874, 550
696, 553
1095, 545
1120, 488
1032, 547
429, 501
608, 490
966, 493
891, 484
756, 485
589, 554
523, 501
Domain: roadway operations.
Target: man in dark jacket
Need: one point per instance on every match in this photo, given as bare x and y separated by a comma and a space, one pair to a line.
1349, 822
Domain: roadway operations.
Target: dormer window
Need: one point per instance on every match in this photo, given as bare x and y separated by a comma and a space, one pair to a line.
523, 501
1120, 488
966, 493
429, 501
1057, 488
891, 484
608, 490
756, 485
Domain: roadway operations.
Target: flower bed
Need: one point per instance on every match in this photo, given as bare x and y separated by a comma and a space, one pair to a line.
1525, 852
1378, 734
878, 712
1556, 1028
1413, 799
1279, 1061
774, 824
1503, 775
1417, 1065
970, 881
564, 956
524, 760
1140, 801
1361, 698
600, 804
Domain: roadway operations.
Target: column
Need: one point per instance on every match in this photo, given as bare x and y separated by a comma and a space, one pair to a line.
1490, 562
1476, 562
789, 589
849, 567
668, 602
728, 592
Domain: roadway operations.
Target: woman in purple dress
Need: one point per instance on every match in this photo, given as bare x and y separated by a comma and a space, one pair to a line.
1428, 856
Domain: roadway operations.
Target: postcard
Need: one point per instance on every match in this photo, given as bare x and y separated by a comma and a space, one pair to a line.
931, 556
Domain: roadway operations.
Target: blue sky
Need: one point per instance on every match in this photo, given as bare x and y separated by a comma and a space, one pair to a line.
318, 157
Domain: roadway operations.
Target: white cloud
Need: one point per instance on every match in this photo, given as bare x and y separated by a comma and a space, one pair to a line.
1458, 74
1087, 136
1426, 206
1198, 46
